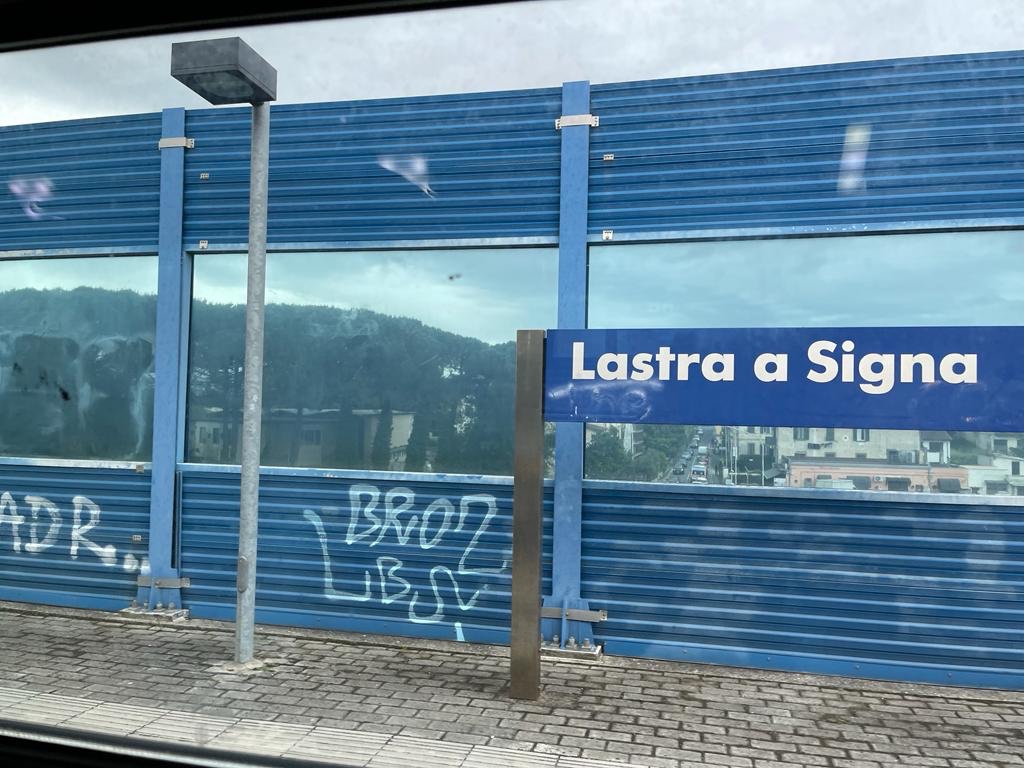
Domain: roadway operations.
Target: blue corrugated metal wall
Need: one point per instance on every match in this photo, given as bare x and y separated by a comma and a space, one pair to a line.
368, 553
763, 149
475, 166
80, 184
66, 534
882, 585
819, 581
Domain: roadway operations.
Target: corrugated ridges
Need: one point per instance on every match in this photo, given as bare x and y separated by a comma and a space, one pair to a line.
462, 575
492, 166
52, 575
881, 581
763, 149
104, 181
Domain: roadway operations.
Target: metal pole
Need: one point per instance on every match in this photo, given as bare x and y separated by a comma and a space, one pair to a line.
252, 398
527, 507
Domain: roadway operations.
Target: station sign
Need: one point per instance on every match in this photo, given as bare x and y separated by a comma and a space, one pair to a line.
955, 378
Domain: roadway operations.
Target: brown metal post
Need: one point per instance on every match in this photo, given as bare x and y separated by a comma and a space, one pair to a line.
527, 508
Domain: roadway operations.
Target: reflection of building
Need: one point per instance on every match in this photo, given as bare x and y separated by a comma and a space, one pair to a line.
995, 479
301, 437
401, 430
875, 475
754, 441
996, 442
893, 445
998, 474
936, 447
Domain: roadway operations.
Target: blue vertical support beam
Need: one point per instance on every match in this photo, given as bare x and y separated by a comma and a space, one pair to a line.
572, 313
160, 587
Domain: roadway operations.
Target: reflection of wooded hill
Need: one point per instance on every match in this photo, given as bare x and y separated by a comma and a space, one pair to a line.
76, 381
76, 375
326, 369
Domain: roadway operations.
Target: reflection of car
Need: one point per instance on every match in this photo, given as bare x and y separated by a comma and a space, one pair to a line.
699, 479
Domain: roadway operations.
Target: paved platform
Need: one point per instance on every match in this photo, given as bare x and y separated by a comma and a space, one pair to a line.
378, 701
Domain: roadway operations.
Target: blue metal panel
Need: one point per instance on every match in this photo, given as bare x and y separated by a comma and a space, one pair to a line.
459, 166
874, 585
766, 149
66, 534
369, 552
80, 184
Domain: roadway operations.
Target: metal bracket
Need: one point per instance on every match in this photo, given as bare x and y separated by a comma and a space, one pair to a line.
566, 121
573, 614
149, 581
179, 142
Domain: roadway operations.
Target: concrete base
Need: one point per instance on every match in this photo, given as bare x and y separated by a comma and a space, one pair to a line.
551, 651
161, 614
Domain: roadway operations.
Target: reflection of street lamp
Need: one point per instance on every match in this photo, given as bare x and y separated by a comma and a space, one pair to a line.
227, 71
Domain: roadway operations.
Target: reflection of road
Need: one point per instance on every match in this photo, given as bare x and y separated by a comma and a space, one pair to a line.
713, 467
688, 464
703, 442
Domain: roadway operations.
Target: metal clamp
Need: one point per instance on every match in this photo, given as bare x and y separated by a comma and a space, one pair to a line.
149, 581
573, 614
566, 121
179, 142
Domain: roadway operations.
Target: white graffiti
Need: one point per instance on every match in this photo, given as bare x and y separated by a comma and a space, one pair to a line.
39, 529
32, 193
371, 523
854, 159
413, 168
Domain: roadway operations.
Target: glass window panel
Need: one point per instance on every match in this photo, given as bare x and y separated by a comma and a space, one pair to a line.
961, 278
76, 357
399, 360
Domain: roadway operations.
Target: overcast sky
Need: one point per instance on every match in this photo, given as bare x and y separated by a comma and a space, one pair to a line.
516, 45
542, 44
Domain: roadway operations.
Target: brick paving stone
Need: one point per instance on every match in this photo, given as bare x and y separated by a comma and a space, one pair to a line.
629, 749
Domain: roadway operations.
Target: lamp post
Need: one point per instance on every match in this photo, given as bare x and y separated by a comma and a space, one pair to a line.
227, 71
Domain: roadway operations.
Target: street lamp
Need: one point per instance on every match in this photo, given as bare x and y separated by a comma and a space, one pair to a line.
227, 71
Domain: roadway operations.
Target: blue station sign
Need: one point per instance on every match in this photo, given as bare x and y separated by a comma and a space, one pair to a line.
957, 378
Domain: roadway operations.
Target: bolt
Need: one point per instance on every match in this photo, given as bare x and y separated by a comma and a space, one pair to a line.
135, 603
587, 645
159, 606
571, 643
555, 640
170, 606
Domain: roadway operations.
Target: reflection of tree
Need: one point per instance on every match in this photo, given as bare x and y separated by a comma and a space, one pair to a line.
605, 457
416, 452
656, 447
380, 455
335, 373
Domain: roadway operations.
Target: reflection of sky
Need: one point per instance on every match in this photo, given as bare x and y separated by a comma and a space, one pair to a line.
925, 279
478, 293
135, 273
